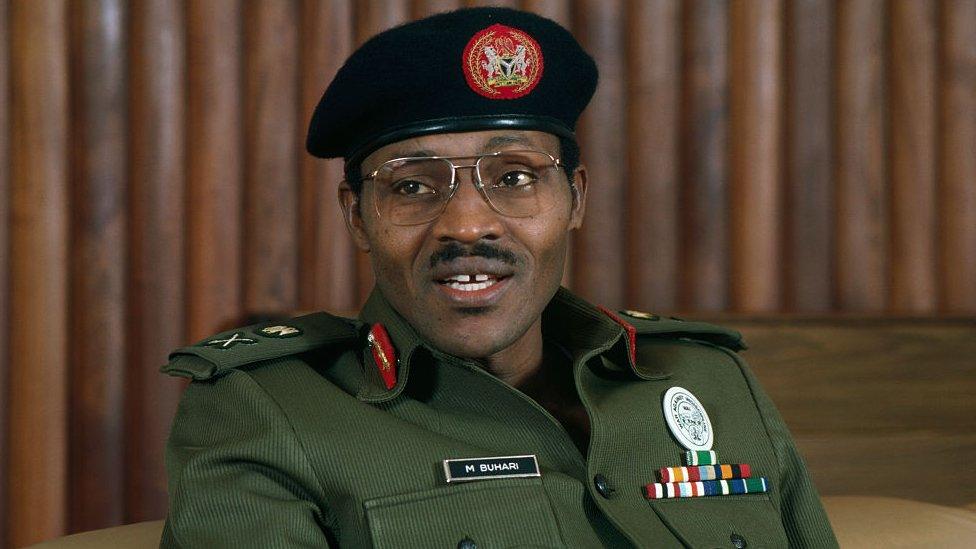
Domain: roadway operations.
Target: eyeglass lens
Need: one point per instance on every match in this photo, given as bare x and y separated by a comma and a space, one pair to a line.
515, 183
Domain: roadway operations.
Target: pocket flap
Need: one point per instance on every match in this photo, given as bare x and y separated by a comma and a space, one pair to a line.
715, 521
496, 513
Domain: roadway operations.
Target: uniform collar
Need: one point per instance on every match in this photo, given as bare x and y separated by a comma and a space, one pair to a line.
584, 329
576, 325
405, 341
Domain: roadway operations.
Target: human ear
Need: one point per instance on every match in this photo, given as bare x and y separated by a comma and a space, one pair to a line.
350, 202
578, 187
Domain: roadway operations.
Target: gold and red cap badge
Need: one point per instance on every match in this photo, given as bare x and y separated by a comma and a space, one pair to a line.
502, 62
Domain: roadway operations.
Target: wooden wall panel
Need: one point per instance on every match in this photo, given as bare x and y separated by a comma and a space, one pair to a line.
601, 134
270, 243
913, 119
755, 152
704, 164
808, 139
6, 262
653, 53
957, 192
328, 276
98, 260
157, 181
39, 277
850, 387
861, 192
215, 165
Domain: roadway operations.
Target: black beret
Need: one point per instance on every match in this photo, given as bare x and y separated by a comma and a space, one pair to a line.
466, 70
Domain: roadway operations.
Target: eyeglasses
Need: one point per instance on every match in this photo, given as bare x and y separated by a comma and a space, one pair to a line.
416, 190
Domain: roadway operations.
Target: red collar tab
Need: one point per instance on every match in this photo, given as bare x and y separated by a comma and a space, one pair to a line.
631, 334
383, 353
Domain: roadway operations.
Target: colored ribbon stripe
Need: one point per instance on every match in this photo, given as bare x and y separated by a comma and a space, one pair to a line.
704, 488
701, 457
704, 472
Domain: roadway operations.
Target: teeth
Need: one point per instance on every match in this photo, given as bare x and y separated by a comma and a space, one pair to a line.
471, 286
467, 278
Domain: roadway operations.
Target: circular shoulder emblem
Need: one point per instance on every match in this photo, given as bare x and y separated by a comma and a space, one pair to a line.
687, 419
502, 62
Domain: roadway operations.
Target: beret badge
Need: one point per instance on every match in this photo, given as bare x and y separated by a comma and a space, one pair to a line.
502, 62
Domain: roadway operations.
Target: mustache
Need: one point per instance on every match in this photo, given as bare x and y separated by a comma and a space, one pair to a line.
453, 251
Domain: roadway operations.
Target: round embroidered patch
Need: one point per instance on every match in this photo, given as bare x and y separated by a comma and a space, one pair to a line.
687, 419
502, 62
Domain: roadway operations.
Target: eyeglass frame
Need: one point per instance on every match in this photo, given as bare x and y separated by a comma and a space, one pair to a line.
476, 180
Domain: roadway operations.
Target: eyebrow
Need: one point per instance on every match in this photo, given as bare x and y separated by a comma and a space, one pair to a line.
494, 143
411, 154
502, 140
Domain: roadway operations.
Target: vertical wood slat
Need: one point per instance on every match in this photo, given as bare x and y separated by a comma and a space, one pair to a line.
652, 138
958, 160
861, 221
271, 157
215, 163
157, 180
425, 8
913, 126
327, 253
755, 154
494, 3
98, 259
809, 156
38, 285
599, 244
5, 257
559, 11
373, 17
704, 167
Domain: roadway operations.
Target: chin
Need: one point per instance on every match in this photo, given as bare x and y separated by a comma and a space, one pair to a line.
473, 341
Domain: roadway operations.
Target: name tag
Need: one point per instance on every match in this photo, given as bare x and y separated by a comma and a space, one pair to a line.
461, 470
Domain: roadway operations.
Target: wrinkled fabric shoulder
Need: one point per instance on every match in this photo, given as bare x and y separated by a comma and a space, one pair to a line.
226, 351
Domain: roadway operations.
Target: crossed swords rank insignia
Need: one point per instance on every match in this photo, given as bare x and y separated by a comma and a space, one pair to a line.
237, 338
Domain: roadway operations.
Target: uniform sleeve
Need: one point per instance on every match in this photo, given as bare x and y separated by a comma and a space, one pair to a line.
803, 515
238, 476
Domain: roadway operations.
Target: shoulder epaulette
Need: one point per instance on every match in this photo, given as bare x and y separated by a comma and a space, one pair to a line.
223, 352
652, 325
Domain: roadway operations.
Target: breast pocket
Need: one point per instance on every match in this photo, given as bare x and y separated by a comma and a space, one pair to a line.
723, 521
492, 514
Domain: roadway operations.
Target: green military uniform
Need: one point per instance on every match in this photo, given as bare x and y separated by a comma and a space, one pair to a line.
289, 437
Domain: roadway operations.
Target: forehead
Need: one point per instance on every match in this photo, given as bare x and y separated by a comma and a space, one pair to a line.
461, 144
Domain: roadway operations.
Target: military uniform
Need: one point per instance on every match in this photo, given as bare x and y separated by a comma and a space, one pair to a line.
290, 437
323, 431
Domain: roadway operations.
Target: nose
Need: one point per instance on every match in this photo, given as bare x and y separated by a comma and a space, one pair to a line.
467, 218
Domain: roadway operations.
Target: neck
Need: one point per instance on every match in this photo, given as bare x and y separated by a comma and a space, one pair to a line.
520, 361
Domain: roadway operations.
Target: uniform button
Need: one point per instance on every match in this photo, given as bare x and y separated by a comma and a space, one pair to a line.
738, 541
603, 486
467, 543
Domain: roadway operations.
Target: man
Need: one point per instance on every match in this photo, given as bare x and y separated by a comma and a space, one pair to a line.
475, 403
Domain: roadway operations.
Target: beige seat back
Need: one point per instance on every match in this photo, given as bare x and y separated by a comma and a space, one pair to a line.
859, 521
141, 535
